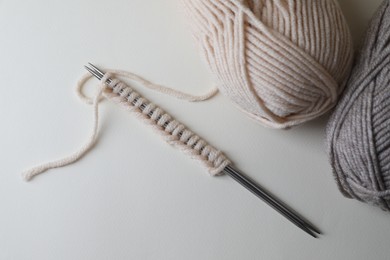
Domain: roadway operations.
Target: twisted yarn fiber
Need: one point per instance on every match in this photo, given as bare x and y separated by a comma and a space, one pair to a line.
359, 130
283, 62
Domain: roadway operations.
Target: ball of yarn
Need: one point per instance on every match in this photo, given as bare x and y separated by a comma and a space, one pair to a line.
359, 130
283, 62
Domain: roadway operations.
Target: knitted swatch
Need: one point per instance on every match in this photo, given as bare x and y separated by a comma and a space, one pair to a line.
359, 130
283, 62
172, 131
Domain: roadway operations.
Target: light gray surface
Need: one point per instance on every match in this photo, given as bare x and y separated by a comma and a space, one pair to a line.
134, 197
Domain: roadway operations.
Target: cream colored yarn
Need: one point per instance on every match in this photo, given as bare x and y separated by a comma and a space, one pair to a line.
283, 62
172, 131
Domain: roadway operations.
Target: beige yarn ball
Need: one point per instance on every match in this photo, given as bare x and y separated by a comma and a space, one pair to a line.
283, 62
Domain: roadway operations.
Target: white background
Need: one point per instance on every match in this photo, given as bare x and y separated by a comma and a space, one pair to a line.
133, 196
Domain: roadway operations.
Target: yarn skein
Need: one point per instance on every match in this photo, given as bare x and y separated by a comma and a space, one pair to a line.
283, 62
358, 132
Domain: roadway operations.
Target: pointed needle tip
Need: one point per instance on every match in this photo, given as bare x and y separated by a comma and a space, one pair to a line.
311, 233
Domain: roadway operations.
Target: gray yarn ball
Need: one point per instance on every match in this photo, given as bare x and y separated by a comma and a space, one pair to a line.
358, 132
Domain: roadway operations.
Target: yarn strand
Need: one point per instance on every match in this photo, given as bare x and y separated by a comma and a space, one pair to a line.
147, 84
31, 173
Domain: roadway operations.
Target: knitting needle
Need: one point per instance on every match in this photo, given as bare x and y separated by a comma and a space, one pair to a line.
243, 180
270, 200
246, 182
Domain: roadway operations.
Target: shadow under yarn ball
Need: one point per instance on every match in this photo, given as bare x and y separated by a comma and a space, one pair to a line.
282, 62
359, 130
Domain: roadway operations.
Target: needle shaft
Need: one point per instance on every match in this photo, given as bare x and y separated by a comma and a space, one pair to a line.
271, 200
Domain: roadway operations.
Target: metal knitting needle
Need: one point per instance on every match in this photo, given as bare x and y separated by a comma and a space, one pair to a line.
241, 178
